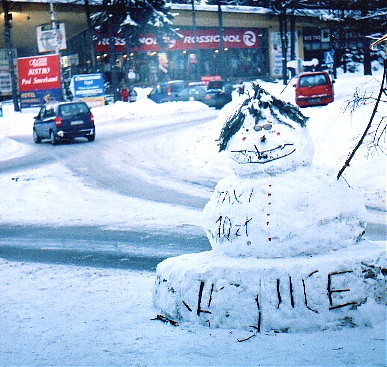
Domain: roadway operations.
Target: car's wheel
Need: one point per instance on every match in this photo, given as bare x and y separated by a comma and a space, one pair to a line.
36, 138
91, 137
53, 138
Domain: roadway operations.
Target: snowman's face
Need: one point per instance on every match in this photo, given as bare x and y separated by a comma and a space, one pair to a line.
269, 147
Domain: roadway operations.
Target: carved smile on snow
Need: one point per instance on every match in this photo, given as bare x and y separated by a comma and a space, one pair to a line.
262, 156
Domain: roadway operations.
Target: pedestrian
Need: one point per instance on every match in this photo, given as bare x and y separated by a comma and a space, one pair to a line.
132, 94
241, 88
124, 94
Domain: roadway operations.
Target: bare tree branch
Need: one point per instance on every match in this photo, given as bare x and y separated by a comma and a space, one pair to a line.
366, 131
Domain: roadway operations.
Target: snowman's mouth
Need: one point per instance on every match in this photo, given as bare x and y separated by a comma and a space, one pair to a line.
262, 156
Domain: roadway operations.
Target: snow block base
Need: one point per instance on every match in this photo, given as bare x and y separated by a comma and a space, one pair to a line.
341, 288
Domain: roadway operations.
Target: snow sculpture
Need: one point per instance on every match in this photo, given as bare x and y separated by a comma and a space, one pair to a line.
277, 205
288, 251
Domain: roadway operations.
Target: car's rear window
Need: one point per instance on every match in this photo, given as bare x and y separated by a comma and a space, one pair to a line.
160, 88
176, 87
215, 84
73, 109
49, 112
312, 80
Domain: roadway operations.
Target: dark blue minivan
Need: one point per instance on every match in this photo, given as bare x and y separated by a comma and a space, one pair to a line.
64, 121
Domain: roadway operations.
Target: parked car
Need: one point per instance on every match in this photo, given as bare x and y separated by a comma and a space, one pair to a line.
178, 90
193, 93
218, 94
167, 91
314, 89
64, 121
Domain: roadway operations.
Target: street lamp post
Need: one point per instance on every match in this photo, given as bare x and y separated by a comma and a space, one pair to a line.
195, 33
221, 40
54, 27
9, 50
90, 36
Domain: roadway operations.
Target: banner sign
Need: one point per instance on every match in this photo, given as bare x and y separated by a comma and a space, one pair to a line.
205, 39
48, 40
87, 85
276, 53
39, 98
39, 80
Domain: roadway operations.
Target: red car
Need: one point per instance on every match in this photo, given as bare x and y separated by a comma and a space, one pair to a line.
314, 89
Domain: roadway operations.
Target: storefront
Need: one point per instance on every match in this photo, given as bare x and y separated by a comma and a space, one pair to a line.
250, 47
195, 53
317, 43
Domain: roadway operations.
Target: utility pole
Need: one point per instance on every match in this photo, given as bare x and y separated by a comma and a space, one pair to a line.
365, 26
54, 27
112, 61
284, 43
195, 33
9, 50
221, 40
90, 36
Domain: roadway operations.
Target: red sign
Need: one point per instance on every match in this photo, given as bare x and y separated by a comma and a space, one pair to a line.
205, 39
210, 39
39, 73
210, 78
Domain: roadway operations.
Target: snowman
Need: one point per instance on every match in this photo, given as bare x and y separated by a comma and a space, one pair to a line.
277, 204
288, 251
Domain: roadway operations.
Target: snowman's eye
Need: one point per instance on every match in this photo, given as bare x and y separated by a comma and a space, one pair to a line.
264, 127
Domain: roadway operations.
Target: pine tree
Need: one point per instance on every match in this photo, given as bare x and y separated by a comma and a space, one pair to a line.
132, 18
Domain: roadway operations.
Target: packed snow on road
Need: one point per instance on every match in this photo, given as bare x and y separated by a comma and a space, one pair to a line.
55, 315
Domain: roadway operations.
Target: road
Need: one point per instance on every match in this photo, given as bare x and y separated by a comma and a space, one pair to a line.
88, 161
95, 246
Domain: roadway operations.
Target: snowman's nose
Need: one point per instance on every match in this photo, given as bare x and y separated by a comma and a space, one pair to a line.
263, 138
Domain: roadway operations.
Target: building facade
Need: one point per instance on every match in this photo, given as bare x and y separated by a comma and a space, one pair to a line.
242, 43
250, 47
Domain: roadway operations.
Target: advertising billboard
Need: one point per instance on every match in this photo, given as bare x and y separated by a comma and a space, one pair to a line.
39, 80
89, 88
88, 85
276, 52
50, 40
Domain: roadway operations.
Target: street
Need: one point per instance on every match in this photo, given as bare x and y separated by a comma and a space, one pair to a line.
98, 246
95, 247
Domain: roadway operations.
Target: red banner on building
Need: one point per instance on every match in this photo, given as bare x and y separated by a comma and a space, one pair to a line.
39, 73
204, 38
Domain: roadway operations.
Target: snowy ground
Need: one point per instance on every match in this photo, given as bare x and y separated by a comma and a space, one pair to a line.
62, 315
